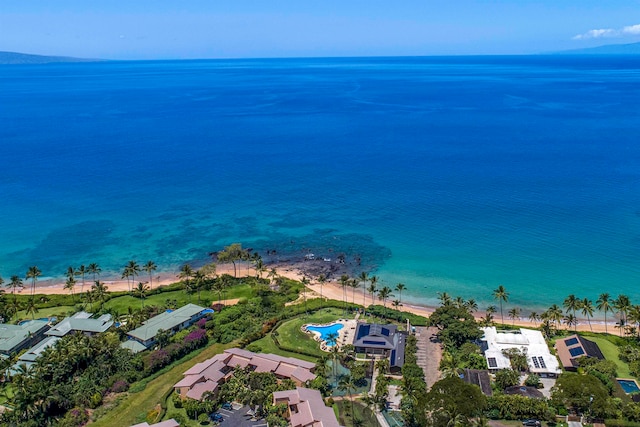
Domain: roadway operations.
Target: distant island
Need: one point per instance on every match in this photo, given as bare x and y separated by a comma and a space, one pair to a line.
609, 49
25, 58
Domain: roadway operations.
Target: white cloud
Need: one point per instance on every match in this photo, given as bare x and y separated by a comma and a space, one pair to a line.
630, 30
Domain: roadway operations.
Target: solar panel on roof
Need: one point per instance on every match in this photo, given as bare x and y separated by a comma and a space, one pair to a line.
576, 351
492, 362
571, 341
373, 342
542, 364
535, 362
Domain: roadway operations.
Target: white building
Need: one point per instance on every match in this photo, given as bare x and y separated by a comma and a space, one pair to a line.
539, 358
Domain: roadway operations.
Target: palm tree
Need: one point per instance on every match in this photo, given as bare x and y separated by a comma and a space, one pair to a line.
81, 271
384, 294
471, 305
89, 299
364, 278
150, 267
353, 284
348, 384
396, 304
604, 304
587, 309
70, 284
634, 318
344, 281
260, 268
14, 283
534, 317
305, 282
99, 292
142, 290
71, 272
199, 278
133, 269
186, 273
399, 288
373, 284
571, 303
321, 280
445, 298
622, 304
501, 295
31, 307
554, 314
569, 320
218, 286
514, 314
272, 275
94, 269
33, 273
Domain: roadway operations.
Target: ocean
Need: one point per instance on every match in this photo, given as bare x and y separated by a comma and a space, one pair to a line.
453, 174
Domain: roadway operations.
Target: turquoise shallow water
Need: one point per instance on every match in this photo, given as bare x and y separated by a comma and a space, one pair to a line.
454, 174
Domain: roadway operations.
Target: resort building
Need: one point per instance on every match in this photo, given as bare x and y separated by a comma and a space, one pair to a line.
15, 338
572, 348
29, 357
207, 376
168, 423
81, 322
383, 340
171, 321
532, 343
305, 408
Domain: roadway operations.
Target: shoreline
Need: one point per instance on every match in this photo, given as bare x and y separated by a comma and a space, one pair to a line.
296, 271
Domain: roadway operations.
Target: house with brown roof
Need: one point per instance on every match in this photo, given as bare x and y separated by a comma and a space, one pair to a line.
306, 408
574, 347
207, 376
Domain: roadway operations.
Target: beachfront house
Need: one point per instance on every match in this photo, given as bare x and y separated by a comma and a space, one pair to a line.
381, 340
83, 323
572, 348
15, 338
539, 359
28, 358
305, 408
171, 321
207, 376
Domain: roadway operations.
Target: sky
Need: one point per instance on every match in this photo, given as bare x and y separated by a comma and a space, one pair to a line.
189, 29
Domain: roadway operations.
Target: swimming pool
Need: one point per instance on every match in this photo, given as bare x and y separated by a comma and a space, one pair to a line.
629, 386
325, 330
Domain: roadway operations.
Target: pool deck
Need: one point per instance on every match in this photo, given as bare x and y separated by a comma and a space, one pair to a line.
345, 334
618, 380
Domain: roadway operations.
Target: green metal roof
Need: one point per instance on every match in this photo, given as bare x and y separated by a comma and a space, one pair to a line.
11, 336
134, 346
165, 321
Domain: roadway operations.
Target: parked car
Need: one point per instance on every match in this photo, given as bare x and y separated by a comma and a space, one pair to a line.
531, 423
216, 417
227, 406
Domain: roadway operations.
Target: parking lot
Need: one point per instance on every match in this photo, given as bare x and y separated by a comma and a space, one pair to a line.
239, 416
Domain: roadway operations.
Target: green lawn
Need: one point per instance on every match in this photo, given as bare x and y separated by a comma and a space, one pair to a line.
61, 311
610, 352
266, 345
121, 303
289, 332
342, 409
135, 407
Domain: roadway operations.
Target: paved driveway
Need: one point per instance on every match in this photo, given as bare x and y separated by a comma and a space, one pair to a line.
429, 353
239, 418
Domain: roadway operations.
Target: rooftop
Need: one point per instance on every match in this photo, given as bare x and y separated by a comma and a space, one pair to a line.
12, 336
81, 322
165, 321
574, 347
532, 342
34, 352
306, 408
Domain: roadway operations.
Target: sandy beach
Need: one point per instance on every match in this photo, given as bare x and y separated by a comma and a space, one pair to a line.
331, 290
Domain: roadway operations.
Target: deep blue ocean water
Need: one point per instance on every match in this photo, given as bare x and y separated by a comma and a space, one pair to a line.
448, 174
